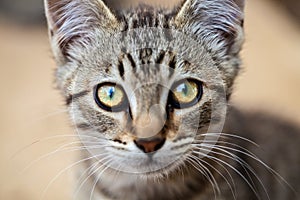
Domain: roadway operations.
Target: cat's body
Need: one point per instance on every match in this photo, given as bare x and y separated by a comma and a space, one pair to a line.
148, 90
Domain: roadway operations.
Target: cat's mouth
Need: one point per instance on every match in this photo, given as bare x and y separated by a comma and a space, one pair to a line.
152, 166
141, 163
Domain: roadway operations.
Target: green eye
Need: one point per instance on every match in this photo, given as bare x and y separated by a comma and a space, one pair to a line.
110, 97
186, 93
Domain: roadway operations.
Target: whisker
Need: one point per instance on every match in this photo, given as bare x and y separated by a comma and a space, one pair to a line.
226, 143
97, 179
243, 164
199, 167
231, 167
66, 169
233, 191
51, 138
64, 148
200, 161
230, 135
214, 180
254, 157
51, 115
90, 170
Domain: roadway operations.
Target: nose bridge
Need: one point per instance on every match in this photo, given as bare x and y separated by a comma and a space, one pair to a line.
149, 118
146, 96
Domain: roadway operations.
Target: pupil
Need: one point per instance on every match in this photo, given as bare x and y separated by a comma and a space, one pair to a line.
111, 92
183, 89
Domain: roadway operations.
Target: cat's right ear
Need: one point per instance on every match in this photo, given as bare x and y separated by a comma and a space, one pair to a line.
217, 22
240, 4
71, 23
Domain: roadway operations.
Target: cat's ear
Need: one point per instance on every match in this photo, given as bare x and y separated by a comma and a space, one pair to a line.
240, 4
71, 22
219, 23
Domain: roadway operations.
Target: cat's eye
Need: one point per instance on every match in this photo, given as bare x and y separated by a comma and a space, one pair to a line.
110, 97
185, 93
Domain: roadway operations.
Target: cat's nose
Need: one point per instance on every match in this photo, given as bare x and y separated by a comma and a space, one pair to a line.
150, 145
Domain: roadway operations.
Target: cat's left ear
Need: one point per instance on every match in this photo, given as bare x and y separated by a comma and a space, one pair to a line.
72, 22
219, 23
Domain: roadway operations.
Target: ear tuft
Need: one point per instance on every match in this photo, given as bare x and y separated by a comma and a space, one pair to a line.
72, 21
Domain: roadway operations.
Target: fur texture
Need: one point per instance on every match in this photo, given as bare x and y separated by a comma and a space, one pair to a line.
146, 51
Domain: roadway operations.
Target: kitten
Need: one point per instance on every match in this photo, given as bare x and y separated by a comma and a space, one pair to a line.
148, 90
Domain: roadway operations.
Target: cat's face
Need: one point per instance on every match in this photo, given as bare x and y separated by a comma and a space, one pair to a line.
144, 89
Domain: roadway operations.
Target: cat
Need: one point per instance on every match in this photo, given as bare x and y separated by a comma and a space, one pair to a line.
148, 92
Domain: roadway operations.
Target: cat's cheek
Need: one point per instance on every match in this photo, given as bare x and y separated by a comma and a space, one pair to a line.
124, 138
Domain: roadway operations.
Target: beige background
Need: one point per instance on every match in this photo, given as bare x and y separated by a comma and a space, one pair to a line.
31, 109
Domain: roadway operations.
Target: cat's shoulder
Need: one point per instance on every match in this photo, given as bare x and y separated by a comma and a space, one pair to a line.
272, 133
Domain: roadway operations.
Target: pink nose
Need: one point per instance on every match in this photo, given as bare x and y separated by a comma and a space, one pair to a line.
150, 145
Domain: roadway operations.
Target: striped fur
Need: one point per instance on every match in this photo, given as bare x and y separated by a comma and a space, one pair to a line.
146, 50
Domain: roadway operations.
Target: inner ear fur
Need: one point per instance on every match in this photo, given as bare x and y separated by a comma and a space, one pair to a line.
71, 21
218, 22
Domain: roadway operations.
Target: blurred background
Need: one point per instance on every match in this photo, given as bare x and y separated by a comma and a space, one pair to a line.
32, 110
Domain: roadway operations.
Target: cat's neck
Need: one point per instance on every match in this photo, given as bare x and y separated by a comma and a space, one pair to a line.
114, 184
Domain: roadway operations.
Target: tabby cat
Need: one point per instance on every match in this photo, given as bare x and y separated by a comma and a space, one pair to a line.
147, 90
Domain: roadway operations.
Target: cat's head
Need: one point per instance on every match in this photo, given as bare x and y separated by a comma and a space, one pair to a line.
145, 87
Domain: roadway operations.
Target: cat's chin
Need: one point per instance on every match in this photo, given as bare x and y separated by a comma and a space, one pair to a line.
149, 168
150, 173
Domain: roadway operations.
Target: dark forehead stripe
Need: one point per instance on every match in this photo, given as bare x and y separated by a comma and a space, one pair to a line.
121, 69
131, 60
168, 58
145, 55
73, 97
122, 66
128, 61
160, 57
173, 61
186, 65
147, 16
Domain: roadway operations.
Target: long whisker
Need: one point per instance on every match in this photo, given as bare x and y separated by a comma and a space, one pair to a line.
199, 167
98, 178
66, 169
242, 163
51, 138
51, 115
226, 180
230, 135
207, 169
92, 169
87, 171
64, 148
226, 143
231, 167
254, 157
